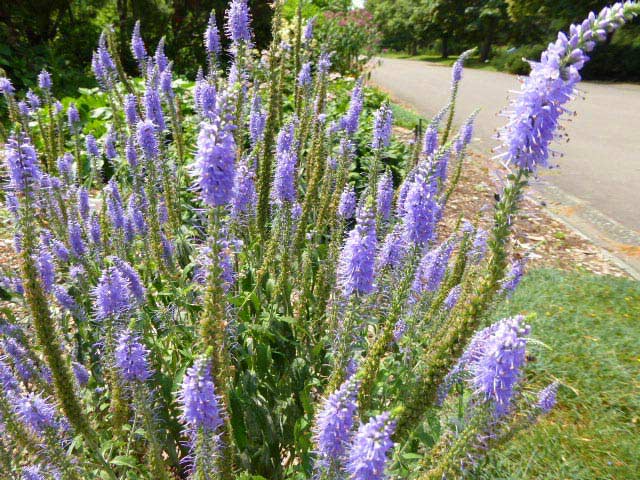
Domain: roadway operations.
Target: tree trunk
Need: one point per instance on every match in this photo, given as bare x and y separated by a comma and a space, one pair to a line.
445, 46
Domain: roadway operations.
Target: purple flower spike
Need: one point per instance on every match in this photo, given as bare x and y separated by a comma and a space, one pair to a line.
162, 62
133, 279
32, 472
496, 371
22, 163
421, 209
304, 77
6, 87
153, 107
382, 125
92, 146
349, 123
44, 80
238, 27
131, 110
214, 165
111, 295
284, 183
110, 145
432, 268
131, 358
385, 195
452, 297
200, 403
347, 205
257, 120
547, 398
244, 190
75, 239
73, 118
513, 277
367, 456
333, 423
212, 37
46, 269
356, 266
137, 44
307, 35
36, 412
81, 373
146, 136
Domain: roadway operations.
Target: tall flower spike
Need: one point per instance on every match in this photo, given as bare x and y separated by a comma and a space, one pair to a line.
112, 295
421, 209
46, 269
212, 37
534, 115
257, 120
349, 122
44, 80
131, 276
146, 136
137, 45
200, 402
367, 456
162, 62
73, 118
356, 265
385, 195
547, 398
238, 27
92, 146
347, 205
432, 268
131, 110
333, 423
304, 77
131, 358
284, 183
382, 125
307, 35
36, 412
497, 369
244, 190
22, 163
214, 165
75, 239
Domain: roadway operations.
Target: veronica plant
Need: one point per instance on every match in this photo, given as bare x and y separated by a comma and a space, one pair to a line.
216, 287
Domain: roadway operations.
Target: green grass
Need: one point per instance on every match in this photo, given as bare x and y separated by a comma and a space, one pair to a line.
590, 326
473, 62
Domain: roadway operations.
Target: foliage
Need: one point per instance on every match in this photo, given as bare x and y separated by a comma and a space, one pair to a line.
351, 36
195, 300
588, 337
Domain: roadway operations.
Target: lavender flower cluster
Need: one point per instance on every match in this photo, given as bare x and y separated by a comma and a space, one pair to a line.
214, 285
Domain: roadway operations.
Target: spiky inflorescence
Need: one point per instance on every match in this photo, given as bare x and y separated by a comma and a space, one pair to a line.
32, 472
382, 124
137, 45
244, 191
385, 195
131, 111
432, 268
284, 183
420, 209
200, 403
131, 276
238, 27
452, 297
153, 107
367, 455
92, 146
356, 266
499, 360
22, 163
46, 269
132, 358
304, 76
514, 276
393, 250
214, 165
257, 120
212, 37
547, 398
333, 423
534, 115
81, 373
110, 144
350, 121
112, 295
73, 118
347, 205
75, 239
36, 412
44, 80
146, 137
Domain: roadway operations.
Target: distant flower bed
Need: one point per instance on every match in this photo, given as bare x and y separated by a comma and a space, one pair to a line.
220, 286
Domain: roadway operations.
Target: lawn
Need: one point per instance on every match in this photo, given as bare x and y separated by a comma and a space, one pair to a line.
472, 62
589, 327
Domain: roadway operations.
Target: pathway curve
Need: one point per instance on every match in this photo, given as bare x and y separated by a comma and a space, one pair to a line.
597, 187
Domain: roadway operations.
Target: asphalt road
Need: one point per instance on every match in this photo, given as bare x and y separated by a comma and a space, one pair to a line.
600, 167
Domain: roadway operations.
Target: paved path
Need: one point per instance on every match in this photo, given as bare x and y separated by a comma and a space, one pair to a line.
597, 187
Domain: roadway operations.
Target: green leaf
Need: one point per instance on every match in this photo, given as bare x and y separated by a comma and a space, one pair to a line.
125, 461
